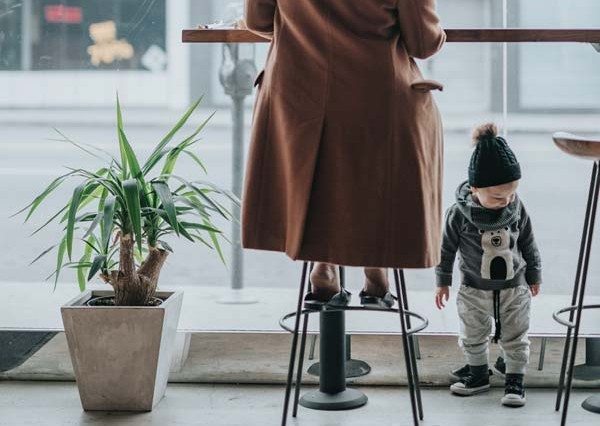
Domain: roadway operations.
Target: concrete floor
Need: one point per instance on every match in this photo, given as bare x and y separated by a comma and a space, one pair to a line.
50, 404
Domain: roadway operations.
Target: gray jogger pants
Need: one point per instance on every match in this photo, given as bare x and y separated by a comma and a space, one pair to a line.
476, 316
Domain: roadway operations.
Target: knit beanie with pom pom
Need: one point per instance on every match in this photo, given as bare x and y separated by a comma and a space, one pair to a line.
493, 162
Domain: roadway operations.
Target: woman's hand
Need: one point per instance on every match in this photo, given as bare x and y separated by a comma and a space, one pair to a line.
441, 294
535, 289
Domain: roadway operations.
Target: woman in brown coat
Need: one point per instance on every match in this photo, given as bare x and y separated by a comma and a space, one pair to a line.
345, 162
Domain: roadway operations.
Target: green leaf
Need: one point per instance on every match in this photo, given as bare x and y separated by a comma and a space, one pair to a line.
186, 234
132, 198
215, 241
75, 199
173, 156
42, 254
77, 145
96, 265
40, 198
59, 259
65, 208
202, 195
165, 246
108, 221
90, 193
164, 194
85, 259
165, 141
200, 226
124, 171
91, 244
132, 160
196, 159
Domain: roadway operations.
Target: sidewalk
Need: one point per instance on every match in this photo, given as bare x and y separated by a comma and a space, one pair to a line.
53, 404
517, 122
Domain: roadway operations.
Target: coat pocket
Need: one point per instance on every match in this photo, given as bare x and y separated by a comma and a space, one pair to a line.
259, 78
425, 86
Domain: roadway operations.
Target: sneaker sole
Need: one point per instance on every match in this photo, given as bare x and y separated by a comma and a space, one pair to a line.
469, 391
514, 401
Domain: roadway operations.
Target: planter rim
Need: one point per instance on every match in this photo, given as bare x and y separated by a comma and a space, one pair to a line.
78, 302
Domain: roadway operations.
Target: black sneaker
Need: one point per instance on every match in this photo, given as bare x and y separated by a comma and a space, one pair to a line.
462, 372
476, 381
499, 367
514, 391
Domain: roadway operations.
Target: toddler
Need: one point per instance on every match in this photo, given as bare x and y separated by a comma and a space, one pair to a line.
499, 263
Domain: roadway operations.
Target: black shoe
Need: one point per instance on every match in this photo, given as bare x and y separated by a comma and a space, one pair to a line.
375, 302
462, 372
476, 381
514, 391
338, 300
499, 367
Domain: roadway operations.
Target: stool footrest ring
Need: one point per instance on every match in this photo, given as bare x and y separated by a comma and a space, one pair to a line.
424, 322
566, 323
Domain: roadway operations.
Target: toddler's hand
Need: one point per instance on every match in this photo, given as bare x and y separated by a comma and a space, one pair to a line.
441, 294
535, 289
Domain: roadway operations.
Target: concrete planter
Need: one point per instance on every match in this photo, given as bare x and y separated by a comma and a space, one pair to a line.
121, 355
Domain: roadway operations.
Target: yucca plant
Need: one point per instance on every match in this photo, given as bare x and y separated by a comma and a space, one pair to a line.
124, 209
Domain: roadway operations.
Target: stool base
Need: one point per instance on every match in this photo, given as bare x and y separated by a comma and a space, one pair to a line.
586, 372
592, 404
354, 368
346, 400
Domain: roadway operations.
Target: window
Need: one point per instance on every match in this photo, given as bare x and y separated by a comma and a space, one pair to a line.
83, 34
10, 34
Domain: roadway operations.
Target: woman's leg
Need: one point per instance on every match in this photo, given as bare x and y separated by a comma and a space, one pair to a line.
325, 283
376, 282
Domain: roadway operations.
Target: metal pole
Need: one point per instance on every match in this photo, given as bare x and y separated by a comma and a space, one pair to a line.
237, 77
332, 393
26, 39
332, 350
237, 175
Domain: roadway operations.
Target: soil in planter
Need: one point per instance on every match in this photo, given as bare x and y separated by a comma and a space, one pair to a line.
110, 301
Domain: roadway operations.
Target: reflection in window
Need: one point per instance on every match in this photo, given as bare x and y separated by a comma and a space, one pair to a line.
10, 34
84, 34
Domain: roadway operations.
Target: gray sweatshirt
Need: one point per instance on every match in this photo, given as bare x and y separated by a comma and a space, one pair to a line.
497, 249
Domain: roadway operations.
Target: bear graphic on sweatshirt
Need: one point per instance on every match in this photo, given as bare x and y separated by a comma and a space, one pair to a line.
497, 259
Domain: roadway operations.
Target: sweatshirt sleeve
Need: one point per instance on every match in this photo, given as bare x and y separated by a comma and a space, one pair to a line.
529, 250
420, 26
260, 17
450, 243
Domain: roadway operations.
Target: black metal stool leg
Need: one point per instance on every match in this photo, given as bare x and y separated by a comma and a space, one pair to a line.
300, 366
411, 341
561, 380
406, 347
288, 387
580, 300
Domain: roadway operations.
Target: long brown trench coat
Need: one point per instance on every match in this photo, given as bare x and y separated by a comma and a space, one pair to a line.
345, 162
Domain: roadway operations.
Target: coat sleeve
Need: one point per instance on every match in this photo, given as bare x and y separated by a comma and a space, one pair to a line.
260, 17
529, 250
450, 244
420, 27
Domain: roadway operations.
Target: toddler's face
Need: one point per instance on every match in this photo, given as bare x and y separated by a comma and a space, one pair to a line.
496, 197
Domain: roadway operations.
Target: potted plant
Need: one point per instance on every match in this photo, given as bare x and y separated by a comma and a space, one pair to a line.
120, 340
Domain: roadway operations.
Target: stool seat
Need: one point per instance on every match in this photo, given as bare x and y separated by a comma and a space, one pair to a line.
578, 146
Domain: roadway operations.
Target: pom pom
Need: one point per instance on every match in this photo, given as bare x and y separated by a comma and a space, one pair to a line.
485, 132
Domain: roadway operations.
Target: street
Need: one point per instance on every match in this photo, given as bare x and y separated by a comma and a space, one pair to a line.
554, 188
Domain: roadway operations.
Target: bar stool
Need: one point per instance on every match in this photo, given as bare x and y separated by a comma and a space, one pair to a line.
333, 394
588, 149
